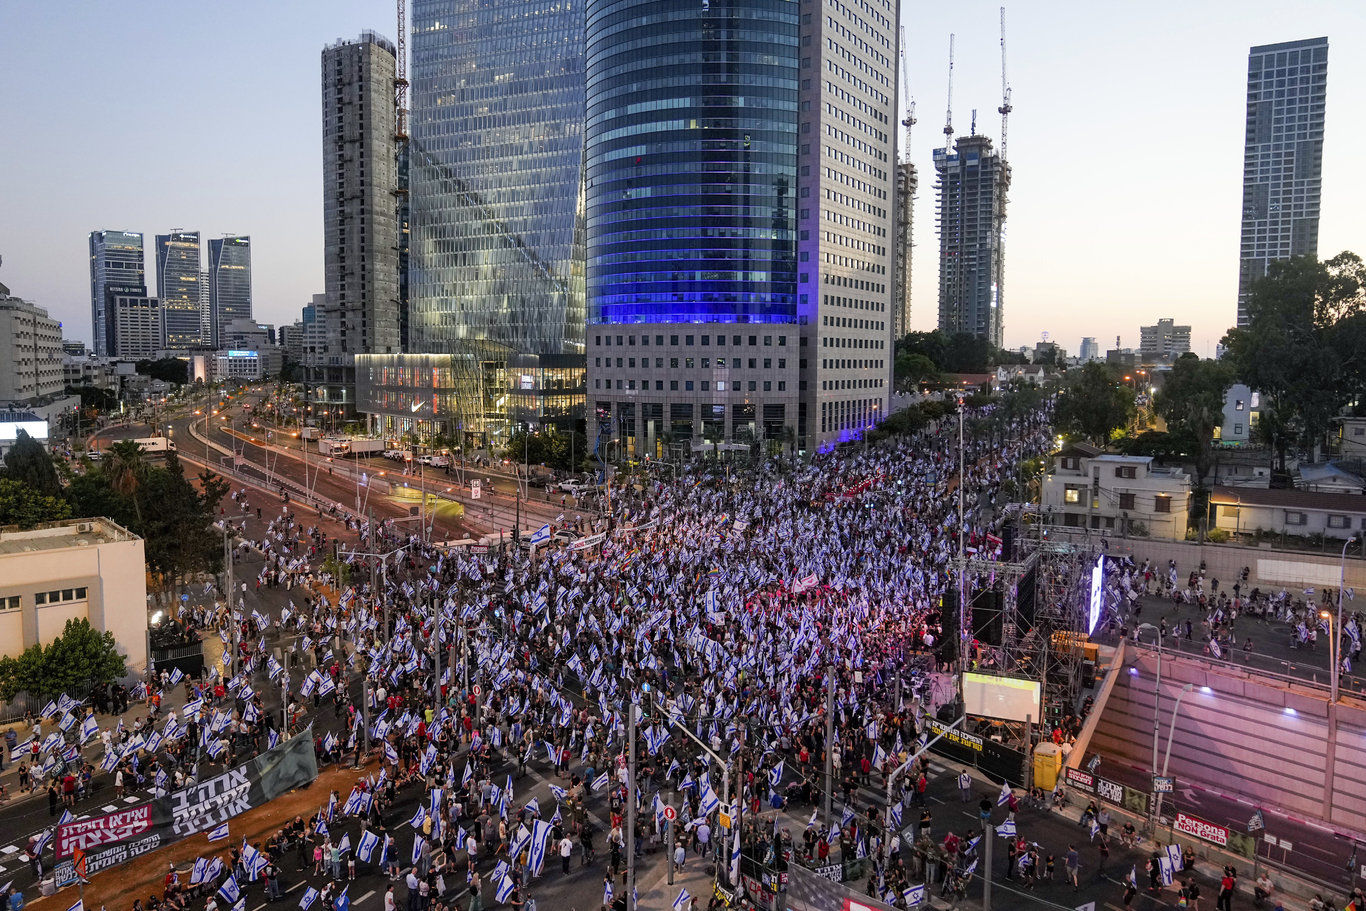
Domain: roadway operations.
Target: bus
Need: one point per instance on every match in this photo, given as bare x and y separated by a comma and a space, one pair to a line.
155, 445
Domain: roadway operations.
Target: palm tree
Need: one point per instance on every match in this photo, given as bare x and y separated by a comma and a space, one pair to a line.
125, 468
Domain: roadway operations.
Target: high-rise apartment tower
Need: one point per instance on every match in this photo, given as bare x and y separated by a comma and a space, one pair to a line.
972, 184
1287, 86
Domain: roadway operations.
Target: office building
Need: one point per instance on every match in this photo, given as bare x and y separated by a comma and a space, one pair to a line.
88, 569
741, 227
135, 330
360, 225
1282, 157
179, 288
496, 301
116, 258
972, 185
1090, 351
1163, 343
31, 353
906, 181
229, 281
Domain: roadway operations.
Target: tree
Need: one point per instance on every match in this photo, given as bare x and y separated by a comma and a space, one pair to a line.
1192, 403
961, 352
80, 657
166, 369
1302, 346
28, 462
1094, 403
23, 505
912, 368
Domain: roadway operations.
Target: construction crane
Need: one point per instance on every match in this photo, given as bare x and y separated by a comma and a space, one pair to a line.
910, 102
948, 112
1005, 108
401, 78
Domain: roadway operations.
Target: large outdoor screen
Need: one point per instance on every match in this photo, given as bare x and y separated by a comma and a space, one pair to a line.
1008, 698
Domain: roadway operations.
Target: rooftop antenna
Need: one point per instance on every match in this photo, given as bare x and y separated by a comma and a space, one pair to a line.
948, 111
1005, 107
906, 91
974, 122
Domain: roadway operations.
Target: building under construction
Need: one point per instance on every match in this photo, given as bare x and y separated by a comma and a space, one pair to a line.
971, 183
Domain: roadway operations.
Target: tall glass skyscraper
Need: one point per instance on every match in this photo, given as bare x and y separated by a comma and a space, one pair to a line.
116, 261
229, 282
178, 288
1287, 87
973, 180
496, 244
740, 194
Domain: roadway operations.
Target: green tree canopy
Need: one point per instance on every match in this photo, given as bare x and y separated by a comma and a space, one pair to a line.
1094, 403
80, 657
167, 369
29, 462
25, 506
961, 352
1192, 403
1305, 343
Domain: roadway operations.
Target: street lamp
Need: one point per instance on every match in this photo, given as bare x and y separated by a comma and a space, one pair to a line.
1336, 632
1157, 704
1167, 758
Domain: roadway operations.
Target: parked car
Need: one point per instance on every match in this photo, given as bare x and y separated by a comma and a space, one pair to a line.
572, 487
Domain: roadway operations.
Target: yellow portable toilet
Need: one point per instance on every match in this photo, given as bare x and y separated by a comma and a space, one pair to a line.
1047, 765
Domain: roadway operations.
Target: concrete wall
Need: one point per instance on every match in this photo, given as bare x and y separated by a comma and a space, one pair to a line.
1238, 734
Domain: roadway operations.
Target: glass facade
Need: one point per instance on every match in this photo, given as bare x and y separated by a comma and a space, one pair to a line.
115, 261
178, 288
496, 219
691, 181
229, 282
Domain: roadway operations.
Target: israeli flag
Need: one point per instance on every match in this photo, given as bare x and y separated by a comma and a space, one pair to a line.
229, 890
607, 894
218, 833
682, 901
913, 896
79, 906
1006, 829
709, 801
67, 816
344, 845
89, 728
310, 896
896, 814
559, 792
541, 535
418, 842
601, 782
368, 842
504, 890
1005, 793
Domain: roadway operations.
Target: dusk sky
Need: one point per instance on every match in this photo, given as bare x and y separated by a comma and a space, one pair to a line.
1126, 144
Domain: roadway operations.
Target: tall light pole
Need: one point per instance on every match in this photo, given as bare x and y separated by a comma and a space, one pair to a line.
962, 561
1167, 758
1337, 631
1157, 704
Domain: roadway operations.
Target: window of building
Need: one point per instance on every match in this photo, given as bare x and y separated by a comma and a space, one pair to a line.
782, 385
706, 340
751, 385
60, 596
9, 603
1126, 471
673, 363
1295, 518
1339, 522
720, 385
706, 363
673, 385
687, 340
1163, 503
768, 385
1126, 501
706, 385
673, 340
687, 385
1238, 406
1072, 495
1237, 429
735, 363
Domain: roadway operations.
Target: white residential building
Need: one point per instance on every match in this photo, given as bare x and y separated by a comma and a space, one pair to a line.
81, 568
1116, 494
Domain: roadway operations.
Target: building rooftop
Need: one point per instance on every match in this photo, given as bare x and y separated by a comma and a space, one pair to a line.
61, 535
1288, 499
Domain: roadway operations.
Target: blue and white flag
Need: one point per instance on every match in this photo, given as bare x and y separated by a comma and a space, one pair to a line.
344, 846
229, 890
601, 782
504, 889
1005, 793
200, 871
66, 817
343, 903
914, 895
418, 842
218, 833
682, 901
368, 842
310, 896
89, 728
607, 894
541, 535
1006, 829
79, 906
709, 801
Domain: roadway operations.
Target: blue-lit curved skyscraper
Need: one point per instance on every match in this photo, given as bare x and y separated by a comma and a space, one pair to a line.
740, 185
691, 180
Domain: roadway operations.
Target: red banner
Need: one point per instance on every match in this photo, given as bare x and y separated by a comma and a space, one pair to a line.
1199, 828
